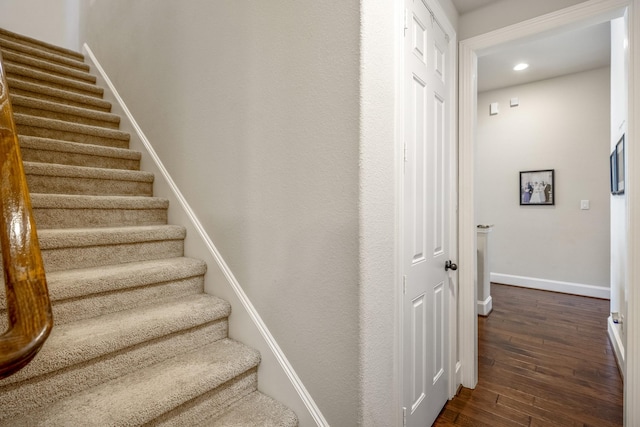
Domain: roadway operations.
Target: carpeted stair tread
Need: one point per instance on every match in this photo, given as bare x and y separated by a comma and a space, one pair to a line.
147, 394
82, 211
127, 287
22, 87
64, 179
78, 342
74, 132
84, 282
39, 44
65, 249
18, 71
45, 150
36, 64
24, 397
78, 237
89, 281
256, 409
12, 46
53, 110
32, 168
66, 201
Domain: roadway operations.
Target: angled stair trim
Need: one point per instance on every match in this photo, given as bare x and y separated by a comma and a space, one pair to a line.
313, 411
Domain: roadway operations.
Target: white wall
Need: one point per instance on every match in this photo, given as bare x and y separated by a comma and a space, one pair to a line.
506, 12
560, 124
254, 109
379, 404
53, 21
619, 119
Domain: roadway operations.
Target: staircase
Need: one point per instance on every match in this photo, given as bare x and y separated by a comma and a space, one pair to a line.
136, 340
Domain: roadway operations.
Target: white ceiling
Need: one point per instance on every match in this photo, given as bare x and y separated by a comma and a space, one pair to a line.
569, 52
464, 6
552, 56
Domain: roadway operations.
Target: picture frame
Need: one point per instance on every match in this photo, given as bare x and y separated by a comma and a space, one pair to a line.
619, 152
613, 173
537, 188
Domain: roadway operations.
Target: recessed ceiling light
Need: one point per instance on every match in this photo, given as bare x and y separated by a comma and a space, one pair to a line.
521, 67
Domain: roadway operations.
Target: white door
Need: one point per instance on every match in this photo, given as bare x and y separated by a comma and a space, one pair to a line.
426, 217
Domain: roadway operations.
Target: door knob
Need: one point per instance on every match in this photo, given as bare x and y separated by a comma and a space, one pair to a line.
450, 265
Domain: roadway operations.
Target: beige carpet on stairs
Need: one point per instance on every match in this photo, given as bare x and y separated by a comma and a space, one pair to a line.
136, 341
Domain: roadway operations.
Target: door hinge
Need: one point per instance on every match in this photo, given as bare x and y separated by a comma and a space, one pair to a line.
404, 285
404, 416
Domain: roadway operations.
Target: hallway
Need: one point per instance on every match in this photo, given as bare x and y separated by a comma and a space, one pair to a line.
544, 360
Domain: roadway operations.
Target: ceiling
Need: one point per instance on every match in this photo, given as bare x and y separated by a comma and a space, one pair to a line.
464, 6
552, 56
565, 53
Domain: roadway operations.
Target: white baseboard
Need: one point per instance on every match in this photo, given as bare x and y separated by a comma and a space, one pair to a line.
616, 342
485, 307
552, 285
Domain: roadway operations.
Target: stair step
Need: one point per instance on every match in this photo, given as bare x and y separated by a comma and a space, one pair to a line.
81, 355
36, 64
34, 90
63, 179
88, 292
84, 293
65, 249
255, 409
79, 342
40, 45
45, 150
8, 45
74, 132
40, 108
27, 74
149, 393
79, 211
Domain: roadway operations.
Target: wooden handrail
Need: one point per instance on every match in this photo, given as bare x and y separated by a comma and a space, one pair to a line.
27, 296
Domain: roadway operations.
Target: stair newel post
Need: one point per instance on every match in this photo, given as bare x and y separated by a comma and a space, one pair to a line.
28, 305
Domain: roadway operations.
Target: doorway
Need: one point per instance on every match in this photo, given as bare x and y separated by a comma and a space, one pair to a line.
580, 15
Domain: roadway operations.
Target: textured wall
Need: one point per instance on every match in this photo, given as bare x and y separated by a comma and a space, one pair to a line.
561, 124
254, 109
54, 21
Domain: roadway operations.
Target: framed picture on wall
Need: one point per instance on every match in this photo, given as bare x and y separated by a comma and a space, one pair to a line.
620, 166
537, 187
613, 173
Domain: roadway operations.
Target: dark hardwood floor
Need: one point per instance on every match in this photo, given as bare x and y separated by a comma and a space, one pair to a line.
544, 360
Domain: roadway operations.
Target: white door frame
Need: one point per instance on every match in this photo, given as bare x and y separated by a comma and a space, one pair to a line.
454, 365
592, 11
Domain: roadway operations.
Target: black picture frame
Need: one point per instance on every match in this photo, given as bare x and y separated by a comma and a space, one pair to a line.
613, 173
620, 172
537, 187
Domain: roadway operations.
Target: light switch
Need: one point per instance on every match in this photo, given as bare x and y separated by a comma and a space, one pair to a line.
584, 204
514, 102
493, 108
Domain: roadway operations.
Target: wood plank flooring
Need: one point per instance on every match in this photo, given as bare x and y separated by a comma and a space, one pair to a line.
544, 360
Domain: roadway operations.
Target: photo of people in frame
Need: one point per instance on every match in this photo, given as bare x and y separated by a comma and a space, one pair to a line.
537, 187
